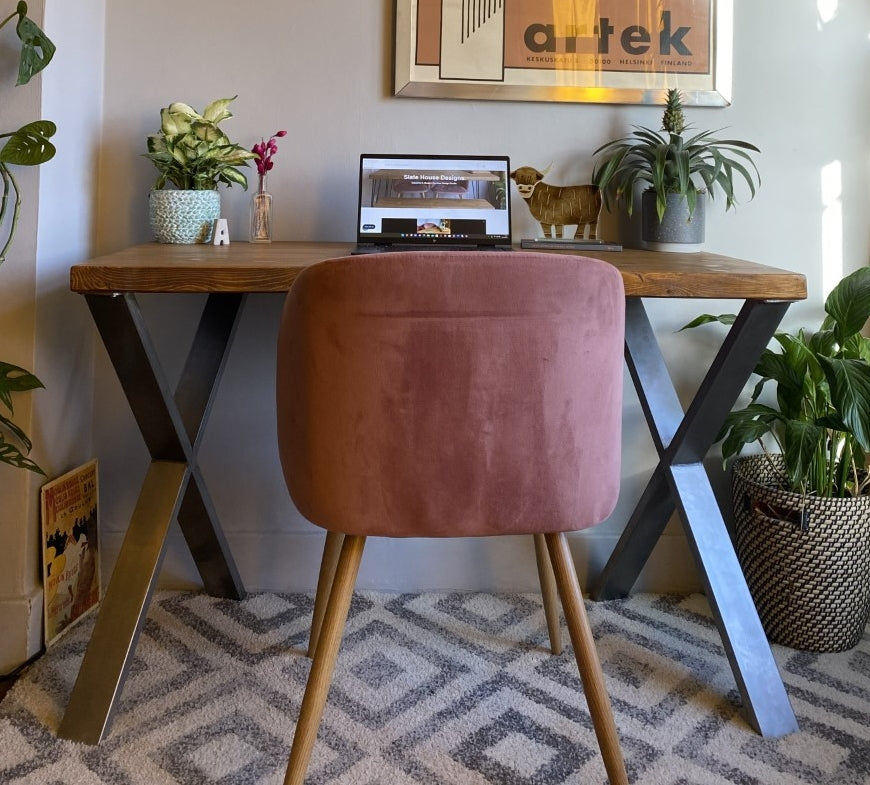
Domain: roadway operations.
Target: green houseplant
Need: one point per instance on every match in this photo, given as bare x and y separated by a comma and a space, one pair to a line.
27, 146
675, 171
801, 507
820, 424
194, 154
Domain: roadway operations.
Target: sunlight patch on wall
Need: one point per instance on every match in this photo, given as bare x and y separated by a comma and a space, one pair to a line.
827, 10
832, 225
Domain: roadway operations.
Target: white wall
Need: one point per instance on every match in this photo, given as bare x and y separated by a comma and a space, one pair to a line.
45, 327
321, 70
72, 96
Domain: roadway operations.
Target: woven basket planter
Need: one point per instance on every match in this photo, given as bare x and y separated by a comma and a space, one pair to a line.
806, 560
184, 217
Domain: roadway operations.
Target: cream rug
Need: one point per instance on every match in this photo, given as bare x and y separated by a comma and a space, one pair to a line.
435, 689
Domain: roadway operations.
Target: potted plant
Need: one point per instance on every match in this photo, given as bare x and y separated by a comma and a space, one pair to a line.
802, 514
675, 174
28, 146
192, 153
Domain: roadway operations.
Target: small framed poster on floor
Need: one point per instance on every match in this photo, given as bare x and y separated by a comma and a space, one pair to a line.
70, 549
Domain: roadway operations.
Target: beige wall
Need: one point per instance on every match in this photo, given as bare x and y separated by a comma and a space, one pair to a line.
20, 597
322, 71
43, 326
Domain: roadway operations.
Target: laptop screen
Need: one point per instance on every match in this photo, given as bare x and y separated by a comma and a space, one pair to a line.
434, 200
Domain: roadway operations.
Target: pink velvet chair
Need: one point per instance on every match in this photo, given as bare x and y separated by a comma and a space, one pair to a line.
452, 395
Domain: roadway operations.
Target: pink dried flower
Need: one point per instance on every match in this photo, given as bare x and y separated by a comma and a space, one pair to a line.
265, 150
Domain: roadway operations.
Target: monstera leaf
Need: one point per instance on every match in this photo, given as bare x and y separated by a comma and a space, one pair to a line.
36, 48
29, 145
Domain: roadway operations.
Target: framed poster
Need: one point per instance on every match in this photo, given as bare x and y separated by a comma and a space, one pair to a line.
70, 548
596, 51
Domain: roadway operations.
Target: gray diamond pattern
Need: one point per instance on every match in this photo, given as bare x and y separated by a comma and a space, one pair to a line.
435, 689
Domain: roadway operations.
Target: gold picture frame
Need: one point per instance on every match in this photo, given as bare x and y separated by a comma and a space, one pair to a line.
585, 51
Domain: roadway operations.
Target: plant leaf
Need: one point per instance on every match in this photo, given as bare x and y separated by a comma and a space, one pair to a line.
848, 304
857, 347
775, 366
11, 455
745, 426
849, 381
824, 342
800, 356
707, 318
29, 145
801, 442
15, 379
36, 47
16, 431
217, 110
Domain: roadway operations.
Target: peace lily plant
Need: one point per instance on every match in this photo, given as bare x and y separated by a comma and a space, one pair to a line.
820, 420
28, 146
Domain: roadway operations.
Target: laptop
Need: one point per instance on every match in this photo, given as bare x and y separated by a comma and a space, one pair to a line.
447, 202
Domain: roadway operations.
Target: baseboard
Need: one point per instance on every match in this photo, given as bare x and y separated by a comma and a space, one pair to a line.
21, 623
279, 562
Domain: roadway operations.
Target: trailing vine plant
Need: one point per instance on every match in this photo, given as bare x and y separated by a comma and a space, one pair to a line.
28, 146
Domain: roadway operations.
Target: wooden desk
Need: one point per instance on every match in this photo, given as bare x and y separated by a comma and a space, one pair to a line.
172, 425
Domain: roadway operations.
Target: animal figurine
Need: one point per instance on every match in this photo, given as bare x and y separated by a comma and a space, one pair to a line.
557, 206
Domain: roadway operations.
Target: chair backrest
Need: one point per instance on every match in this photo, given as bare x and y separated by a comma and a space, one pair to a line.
452, 394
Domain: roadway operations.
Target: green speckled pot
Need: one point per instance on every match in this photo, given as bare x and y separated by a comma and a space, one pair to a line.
183, 216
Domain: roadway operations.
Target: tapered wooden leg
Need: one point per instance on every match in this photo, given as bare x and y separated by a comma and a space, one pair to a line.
328, 643
587, 658
328, 563
549, 593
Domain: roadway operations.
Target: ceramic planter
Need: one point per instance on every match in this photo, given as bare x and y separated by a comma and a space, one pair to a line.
677, 231
183, 216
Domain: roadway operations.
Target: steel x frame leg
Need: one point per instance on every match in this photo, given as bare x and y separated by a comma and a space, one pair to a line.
680, 482
172, 427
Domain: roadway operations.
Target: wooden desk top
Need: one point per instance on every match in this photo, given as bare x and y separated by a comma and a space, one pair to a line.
272, 267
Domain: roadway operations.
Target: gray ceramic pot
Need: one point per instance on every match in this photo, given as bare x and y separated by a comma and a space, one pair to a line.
677, 231
183, 216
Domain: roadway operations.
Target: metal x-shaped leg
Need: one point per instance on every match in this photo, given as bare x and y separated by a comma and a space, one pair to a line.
680, 481
172, 427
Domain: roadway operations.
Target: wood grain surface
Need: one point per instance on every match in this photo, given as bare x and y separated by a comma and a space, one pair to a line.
272, 267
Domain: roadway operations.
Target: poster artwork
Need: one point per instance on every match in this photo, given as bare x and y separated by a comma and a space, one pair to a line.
608, 51
467, 42
71, 565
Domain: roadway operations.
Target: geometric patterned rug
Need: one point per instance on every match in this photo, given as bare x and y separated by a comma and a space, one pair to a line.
435, 689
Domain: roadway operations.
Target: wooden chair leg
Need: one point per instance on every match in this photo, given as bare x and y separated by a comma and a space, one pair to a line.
587, 658
328, 644
549, 593
328, 563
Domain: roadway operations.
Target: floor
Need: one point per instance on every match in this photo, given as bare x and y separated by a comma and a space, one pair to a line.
7, 681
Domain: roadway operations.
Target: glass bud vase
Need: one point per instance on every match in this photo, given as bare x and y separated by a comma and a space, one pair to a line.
261, 214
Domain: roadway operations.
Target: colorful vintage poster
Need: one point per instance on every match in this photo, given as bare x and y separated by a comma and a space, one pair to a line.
593, 50
71, 563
